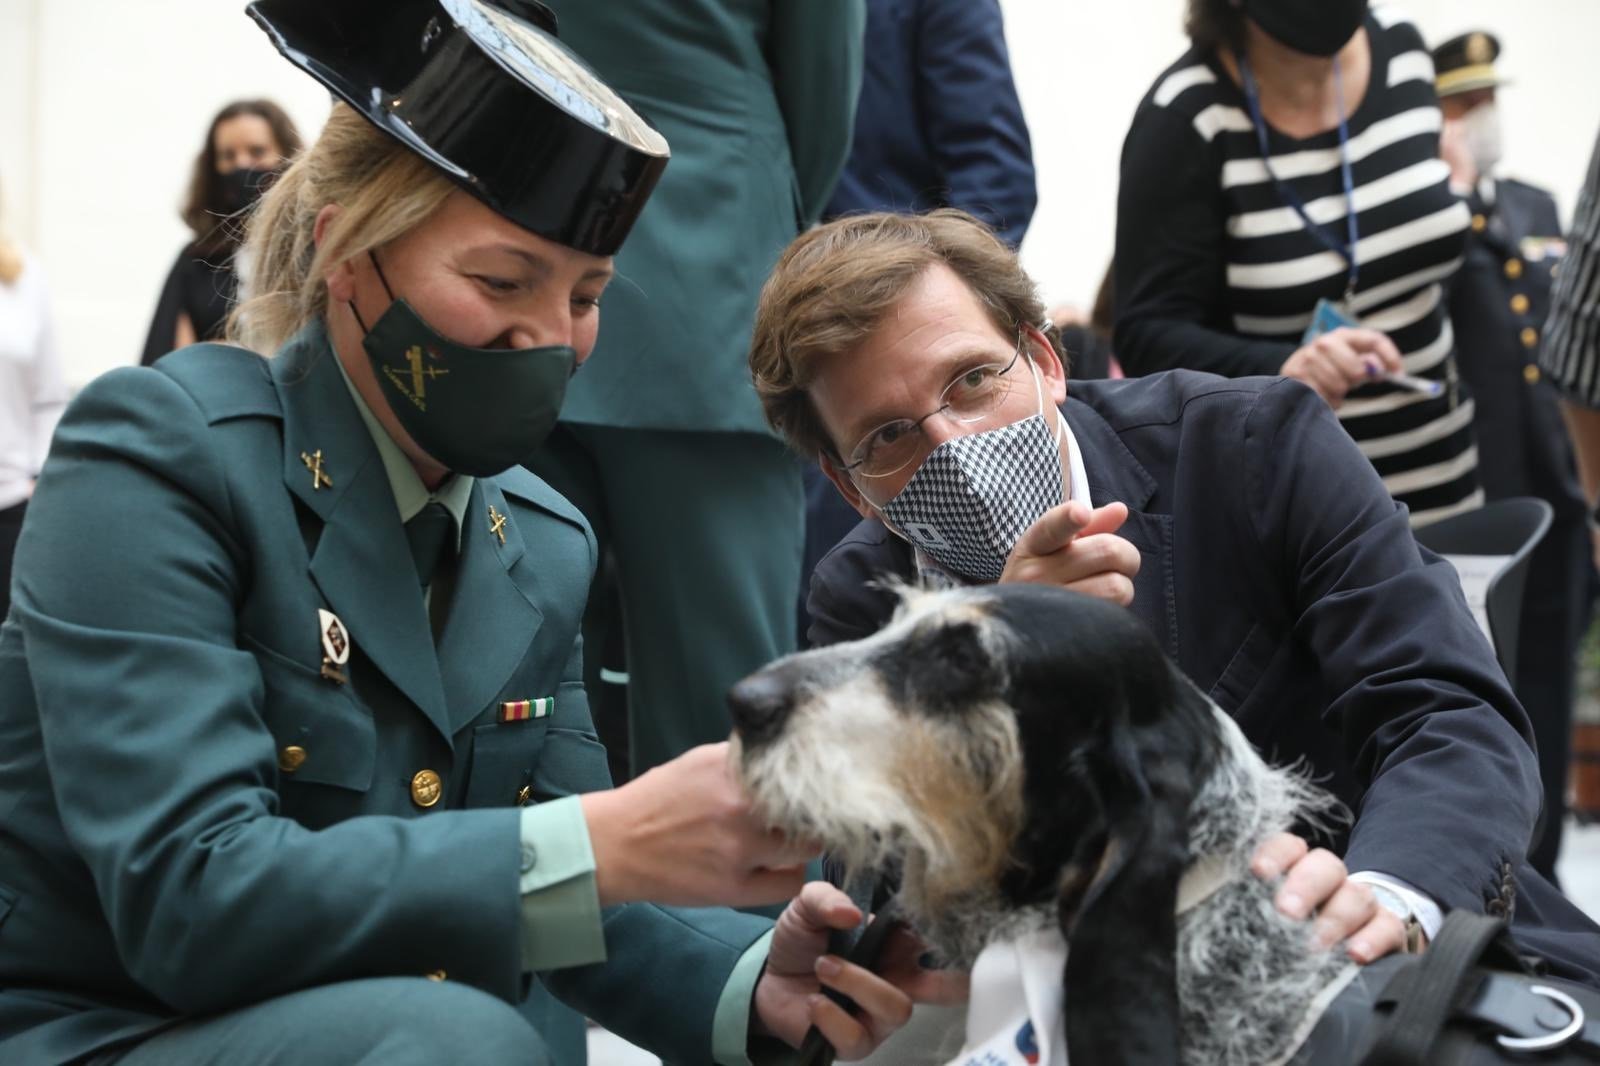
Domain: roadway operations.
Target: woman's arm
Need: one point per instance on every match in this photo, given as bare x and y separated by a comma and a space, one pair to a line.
130, 577
1171, 293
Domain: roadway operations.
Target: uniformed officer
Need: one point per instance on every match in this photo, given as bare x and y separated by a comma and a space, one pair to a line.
292, 729
1498, 304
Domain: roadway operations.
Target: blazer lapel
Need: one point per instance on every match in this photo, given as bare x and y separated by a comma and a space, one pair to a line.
1114, 474
492, 620
362, 563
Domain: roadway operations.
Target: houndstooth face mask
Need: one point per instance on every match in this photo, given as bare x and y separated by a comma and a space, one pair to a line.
973, 497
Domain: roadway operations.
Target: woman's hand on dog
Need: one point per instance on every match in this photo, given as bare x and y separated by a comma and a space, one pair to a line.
1076, 547
1316, 883
789, 999
683, 834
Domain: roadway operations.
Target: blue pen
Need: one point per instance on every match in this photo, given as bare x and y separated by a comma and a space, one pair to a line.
1416, 384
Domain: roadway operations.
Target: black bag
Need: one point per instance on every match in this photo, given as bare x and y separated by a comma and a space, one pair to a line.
1469, 1000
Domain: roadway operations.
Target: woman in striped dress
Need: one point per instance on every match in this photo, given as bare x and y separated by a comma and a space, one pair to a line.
1235, 242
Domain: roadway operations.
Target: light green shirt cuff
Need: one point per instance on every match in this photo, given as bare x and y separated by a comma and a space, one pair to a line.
560, 903
730, 1026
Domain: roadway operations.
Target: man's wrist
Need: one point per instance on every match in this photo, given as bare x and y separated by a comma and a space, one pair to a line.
1400, 907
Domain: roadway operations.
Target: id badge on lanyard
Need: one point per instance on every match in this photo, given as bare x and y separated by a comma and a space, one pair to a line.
1328, 315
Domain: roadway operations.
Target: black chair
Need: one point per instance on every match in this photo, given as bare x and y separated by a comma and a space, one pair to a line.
1511, 527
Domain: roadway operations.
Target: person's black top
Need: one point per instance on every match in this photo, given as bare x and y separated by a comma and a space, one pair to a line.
1216, 271
200, 285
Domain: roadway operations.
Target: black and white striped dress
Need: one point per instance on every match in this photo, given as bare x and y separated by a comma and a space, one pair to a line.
1216, 271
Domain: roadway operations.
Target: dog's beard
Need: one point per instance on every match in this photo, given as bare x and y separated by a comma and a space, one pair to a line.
938, 800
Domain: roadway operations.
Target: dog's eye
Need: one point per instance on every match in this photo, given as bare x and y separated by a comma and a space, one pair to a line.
945, 668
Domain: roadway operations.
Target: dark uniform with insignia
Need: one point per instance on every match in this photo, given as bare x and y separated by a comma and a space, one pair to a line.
1498, 304
255, 806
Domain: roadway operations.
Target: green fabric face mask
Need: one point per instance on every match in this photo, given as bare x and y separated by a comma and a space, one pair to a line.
478, 411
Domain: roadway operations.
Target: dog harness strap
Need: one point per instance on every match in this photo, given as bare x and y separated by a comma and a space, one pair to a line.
1427, 993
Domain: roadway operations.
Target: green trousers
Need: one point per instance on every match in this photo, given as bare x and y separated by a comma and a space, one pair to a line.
707, 532
382, 1021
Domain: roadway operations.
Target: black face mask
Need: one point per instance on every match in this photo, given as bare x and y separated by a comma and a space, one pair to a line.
241, 188
478, 411
1315, 27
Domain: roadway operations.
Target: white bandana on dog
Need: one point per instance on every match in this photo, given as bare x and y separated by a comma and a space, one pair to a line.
1017, 1014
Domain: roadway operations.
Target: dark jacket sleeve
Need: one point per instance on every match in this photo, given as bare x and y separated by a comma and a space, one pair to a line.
1171, 291
971, 115
1426, 718
816, 51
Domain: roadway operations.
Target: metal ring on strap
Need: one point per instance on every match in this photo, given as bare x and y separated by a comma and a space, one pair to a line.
1555, 1039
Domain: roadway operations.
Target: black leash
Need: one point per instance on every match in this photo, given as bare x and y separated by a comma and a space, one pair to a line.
861, 946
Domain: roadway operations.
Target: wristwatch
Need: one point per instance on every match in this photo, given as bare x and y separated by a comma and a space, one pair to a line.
1395, 904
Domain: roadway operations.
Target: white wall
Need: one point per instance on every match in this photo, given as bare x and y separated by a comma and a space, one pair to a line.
94, 162
103, 104
1082, 66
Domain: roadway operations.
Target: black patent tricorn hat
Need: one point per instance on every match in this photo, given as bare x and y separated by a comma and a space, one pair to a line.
484, 91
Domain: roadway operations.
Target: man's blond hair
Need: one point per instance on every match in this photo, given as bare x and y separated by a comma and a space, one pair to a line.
834, 284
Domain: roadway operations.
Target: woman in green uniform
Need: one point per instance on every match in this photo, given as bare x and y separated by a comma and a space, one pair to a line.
295, 759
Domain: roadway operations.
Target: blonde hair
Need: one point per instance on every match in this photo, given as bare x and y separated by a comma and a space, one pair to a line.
835, 283
384, 191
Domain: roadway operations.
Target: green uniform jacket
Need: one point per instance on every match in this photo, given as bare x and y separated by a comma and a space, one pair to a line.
164, 649
758, 100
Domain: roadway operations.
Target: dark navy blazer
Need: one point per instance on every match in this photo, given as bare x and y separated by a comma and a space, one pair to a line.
1286, 583
939, 123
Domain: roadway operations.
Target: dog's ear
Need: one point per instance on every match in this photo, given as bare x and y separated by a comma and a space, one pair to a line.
1150, 757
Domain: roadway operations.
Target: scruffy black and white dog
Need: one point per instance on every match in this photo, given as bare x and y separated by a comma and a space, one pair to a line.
1023, 757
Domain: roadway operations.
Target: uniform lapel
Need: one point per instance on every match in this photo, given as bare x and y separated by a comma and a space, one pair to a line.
1114, 474
492, 620
362, 563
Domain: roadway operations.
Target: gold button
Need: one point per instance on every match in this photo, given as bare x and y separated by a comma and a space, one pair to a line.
1513, 269
1519, 304
426, 788
437, 975
1530, 337
290, 758
1530, 374
1479, 223
524, 794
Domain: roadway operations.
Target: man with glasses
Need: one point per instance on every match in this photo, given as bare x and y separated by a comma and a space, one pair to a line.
1235, 517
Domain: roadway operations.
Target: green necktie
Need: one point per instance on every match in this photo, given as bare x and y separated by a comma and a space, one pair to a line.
429, 533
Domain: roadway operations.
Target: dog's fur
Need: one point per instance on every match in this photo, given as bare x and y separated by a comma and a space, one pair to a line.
1019, 756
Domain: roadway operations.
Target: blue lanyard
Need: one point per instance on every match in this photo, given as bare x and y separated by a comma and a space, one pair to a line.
1252, 97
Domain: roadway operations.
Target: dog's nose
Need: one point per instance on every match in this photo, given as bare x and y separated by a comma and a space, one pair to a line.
759, 704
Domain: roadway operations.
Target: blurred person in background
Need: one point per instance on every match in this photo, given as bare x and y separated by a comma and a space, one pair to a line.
1498, 304
1086, 338
1283, 210
661, 444
246, 145
939, 125
32, 393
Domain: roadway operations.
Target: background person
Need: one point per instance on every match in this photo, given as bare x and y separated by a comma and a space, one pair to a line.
662, 445
32, 393
247, 143
1235, 227
1498, 302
